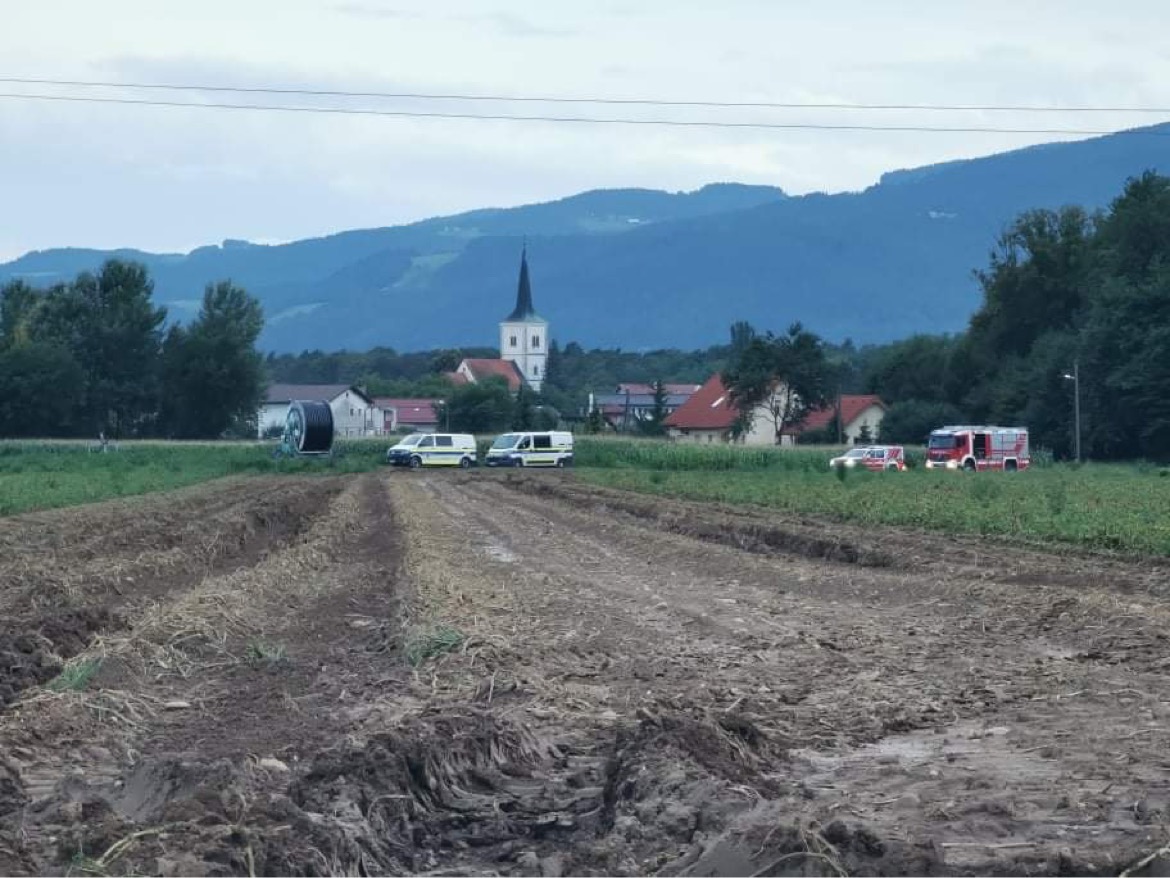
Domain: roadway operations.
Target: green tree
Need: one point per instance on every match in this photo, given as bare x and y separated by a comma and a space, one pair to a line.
910, 421
483, 407
523, 409
654, 423
212, 374
40, 390
109, 325
780, 377
913, 369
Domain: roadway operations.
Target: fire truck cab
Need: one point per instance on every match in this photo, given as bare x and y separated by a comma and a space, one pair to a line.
978, 448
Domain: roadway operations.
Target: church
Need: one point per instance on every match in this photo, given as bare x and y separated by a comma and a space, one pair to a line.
524, 339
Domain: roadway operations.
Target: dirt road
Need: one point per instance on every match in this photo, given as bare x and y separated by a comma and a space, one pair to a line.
501, 673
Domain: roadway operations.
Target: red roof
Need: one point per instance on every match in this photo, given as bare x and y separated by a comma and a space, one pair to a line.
505, 369
709, 408
852, 407
410, 411
456, 378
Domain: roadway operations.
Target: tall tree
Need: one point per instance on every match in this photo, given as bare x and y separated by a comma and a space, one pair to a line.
212, 374
111, 328
654, 423
780, 378
40, 390
483, 407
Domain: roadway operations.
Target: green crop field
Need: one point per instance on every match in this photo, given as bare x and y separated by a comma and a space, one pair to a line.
46, 475
1103, 506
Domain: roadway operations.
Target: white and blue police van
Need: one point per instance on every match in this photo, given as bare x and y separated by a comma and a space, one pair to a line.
544, 448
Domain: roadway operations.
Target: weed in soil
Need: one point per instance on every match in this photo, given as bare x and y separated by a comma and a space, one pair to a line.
76, 675
432, 643
261, 652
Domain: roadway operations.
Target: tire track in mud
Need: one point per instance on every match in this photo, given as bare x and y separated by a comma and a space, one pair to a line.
620, 700
942, 714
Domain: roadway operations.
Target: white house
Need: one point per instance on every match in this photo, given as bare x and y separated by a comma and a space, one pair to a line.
709, 416
354, 413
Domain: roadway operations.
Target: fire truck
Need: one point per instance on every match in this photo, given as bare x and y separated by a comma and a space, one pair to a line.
978, 448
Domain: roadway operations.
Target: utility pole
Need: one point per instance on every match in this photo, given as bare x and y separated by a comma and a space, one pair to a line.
1075, 378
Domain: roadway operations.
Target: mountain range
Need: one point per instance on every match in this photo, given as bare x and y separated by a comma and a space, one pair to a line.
639, 269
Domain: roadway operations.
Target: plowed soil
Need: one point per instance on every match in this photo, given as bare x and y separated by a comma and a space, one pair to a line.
514, 673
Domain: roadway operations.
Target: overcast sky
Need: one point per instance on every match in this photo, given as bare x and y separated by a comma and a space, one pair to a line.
171, 179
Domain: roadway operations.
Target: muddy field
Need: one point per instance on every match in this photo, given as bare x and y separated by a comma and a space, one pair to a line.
501, 673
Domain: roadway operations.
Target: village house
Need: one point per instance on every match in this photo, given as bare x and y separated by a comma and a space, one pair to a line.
709, 416
408, 415
632, 403
354, 412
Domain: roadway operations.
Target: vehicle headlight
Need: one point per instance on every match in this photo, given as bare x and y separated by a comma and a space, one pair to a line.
952, 464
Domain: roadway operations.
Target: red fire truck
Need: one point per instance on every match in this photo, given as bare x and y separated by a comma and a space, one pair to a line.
978, 448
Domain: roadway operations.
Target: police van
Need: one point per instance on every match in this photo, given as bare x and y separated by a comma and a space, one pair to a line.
549, 448
434, 449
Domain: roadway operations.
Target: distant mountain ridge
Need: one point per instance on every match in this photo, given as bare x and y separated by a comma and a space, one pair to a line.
637, 268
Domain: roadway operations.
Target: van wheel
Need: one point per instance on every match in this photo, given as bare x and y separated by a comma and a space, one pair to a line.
969, 466
415, 461
560, 463
465, 463
893, 467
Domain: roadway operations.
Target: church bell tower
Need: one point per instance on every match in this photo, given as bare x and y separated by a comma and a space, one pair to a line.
524, 333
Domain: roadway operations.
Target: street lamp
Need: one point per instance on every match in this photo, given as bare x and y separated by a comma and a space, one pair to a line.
1075, 378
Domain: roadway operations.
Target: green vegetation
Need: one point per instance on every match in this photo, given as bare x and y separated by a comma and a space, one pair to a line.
261, 652
90, 357
46, 475
432, 643
76, 675
1101, 506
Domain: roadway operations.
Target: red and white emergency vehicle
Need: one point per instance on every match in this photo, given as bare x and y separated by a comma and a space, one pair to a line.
978, 448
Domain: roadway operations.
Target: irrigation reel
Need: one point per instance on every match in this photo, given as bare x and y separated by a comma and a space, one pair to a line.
308, 430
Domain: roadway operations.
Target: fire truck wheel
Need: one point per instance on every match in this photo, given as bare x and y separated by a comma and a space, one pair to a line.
1010, 466
969, 466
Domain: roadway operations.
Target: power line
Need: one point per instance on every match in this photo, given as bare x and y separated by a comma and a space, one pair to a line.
675, 123
648, 102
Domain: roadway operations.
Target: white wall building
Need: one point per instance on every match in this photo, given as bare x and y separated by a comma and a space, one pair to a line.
354, 413
524, 333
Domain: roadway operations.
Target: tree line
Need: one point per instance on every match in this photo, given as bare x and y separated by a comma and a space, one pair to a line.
1064, 289
95, 357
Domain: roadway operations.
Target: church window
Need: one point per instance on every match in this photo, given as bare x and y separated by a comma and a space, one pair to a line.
535, 342
535, 371
512, 341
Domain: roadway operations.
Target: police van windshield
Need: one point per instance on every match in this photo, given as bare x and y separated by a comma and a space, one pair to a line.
942, 440
412, 439
508, 440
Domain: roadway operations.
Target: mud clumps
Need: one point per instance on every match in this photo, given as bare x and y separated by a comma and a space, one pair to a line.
33, 651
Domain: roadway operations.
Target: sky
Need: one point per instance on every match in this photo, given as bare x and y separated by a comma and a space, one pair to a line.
173, 178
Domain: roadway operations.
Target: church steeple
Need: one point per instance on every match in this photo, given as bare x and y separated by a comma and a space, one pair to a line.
523, 309
524, 333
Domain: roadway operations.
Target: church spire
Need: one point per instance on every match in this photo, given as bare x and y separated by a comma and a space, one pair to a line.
523, 309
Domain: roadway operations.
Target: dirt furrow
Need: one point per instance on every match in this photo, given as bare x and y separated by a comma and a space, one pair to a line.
475, 674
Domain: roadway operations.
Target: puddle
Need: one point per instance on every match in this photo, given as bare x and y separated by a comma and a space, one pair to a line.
499, 552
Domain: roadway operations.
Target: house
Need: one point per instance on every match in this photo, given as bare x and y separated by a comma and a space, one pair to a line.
859, 414
413, 415
472, 371
354, 413
635, 402
709, 416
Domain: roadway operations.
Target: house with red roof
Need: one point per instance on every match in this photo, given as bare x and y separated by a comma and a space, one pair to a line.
709, 416
474, 370
413, 415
